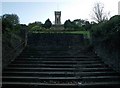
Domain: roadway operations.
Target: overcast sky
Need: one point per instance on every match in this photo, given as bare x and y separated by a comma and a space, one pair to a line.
40, 10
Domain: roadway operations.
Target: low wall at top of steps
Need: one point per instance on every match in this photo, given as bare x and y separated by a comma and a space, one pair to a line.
55, 39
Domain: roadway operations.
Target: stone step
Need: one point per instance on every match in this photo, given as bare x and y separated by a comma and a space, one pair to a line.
52, 51
40, 79
101, 79
43, 78
62, 79
67, 52
58, 65
61, 85
54, 68
53, 55
58, 62
41, 74
38, 70
38, 85
58, 73
67, 79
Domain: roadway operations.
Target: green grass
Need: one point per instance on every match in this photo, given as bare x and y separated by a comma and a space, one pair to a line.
85, 33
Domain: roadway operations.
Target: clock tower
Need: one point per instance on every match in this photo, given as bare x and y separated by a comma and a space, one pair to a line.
57, 17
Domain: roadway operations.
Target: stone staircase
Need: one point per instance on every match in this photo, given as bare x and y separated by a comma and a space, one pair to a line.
48, 65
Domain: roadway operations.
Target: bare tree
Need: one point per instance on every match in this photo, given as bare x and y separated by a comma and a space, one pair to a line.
98, 13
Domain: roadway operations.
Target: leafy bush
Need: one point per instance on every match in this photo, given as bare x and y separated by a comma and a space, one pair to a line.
47, 24
35, 26
108, 32
13, 36
9, 21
